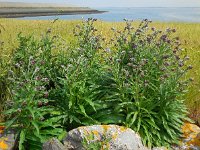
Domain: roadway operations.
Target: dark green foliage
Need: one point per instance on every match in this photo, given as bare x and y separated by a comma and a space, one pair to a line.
147, 72
29, 111
138, 83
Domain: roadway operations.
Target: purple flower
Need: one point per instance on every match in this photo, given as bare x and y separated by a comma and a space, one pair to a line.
37, 69
37, 78
166, 63
142, 74
149, 39
174, 30
132, 59
40, 104
113, 29
177, 57
174, 51
177, 38
130, 64
19, 110
46, 94
107, 50
191, 79
180, 64
173, 69
189, 67
42, 62
168, 30
165, 56
49, 30
168, 41
78, 26
153, 28
33, 62
45, 79
134, 46
134, 67
162, 69
163, 37
123, 52
187, 58
40, 88
17, 65
118, 60
138, 30
165, 75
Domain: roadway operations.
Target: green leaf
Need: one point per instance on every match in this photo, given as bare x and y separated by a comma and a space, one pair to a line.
32, 112
138, 124
36, 126
21, 140
70, 104
10, 111
83, 110
134, 118
111, 119
9, 123
90, 103
62, 135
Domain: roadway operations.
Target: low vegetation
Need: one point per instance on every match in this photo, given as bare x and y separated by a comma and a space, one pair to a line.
188, 33
136, 77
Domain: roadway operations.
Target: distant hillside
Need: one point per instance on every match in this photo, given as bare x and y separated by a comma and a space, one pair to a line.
14, 10
20, 4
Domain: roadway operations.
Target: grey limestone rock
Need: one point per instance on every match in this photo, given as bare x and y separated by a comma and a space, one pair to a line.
53, 144
116, 137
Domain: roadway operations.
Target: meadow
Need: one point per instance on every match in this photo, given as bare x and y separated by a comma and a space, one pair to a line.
73, 73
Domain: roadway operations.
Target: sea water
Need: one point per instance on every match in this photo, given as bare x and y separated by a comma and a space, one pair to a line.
184, 14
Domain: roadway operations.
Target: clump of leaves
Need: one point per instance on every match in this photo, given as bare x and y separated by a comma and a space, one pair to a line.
148, 70
29, 111
77, 78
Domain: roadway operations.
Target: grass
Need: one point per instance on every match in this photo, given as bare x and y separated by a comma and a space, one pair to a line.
188, 33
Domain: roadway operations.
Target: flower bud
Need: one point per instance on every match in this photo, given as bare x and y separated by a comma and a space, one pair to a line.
118, 60
40, 104
189, 67
130, 64
46, 94
17, 65
19, 110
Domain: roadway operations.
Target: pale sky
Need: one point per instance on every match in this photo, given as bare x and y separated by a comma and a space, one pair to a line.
120, 3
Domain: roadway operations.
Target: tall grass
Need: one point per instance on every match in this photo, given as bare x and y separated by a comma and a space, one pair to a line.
188, 33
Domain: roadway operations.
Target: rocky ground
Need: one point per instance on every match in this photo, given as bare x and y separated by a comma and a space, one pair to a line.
110, 137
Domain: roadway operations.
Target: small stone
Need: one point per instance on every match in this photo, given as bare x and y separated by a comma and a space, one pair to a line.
159, 148
53, 144
191, 137
7, 140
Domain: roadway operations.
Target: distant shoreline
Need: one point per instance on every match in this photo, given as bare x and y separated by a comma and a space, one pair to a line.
30, 12
18, 10
46, 13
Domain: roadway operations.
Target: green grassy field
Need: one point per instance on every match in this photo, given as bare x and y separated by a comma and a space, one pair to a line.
188, 33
